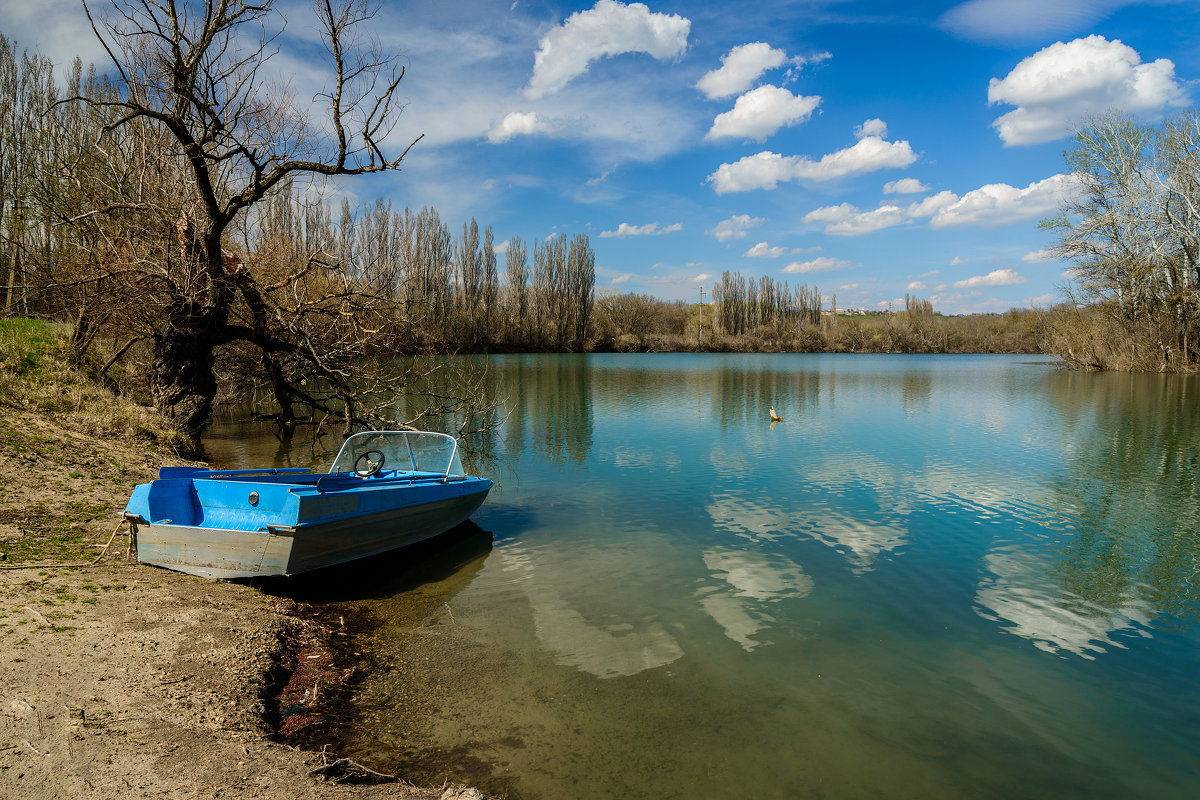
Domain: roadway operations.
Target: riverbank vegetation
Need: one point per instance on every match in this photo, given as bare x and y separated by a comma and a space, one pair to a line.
40, 374
1133, 233
744, 322
58, 432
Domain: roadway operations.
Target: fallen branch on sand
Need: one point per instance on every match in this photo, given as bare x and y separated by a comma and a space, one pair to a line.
345, 770
39, 617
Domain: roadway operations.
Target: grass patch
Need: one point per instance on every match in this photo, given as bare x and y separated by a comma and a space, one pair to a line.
58, 429
61, 533
36, 374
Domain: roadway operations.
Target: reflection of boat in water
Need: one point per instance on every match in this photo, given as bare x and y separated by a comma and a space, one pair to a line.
386, 489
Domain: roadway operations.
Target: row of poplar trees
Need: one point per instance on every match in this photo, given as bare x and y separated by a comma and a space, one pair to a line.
448, 286
743, 305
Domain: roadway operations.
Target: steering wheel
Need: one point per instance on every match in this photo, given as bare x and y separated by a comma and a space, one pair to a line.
373, 465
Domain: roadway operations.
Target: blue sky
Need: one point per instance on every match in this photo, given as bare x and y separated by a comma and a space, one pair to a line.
868, 148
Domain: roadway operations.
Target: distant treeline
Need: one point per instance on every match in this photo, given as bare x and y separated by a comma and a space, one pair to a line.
736, 323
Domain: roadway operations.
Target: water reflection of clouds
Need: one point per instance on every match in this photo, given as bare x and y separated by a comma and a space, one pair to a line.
865, 542
750, 581
642, 458
620, 648
753, 519
897, 486
760, 519
1019, 593
730, 463
758, 576
899, 490
763, 513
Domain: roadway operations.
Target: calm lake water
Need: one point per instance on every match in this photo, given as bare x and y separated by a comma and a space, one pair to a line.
939, 576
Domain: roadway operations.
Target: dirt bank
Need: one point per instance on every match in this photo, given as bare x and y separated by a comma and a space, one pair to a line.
120, 680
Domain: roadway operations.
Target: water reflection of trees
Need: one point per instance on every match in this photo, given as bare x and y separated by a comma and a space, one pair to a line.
1132, 481
744, 392
915, 390
549, 406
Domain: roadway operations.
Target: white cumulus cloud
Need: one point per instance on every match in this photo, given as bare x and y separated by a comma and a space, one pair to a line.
516, 124
625, 230
607, 29
740, 67
57, 29
818, 264
846, 220
998, 277
764, 250
990, 206
766, 170
1038, 256
933, 204
735, 227
915, 286
871, 127
762, 111
998, 204
1058, 86
904, 186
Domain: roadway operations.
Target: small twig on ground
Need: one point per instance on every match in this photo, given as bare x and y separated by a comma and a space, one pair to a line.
36, 752
348, 769
40, 618
176, 680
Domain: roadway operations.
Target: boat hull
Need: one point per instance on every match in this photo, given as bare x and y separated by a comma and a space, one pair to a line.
231, 553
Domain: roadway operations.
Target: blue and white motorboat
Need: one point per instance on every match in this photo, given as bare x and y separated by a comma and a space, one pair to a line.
385, 489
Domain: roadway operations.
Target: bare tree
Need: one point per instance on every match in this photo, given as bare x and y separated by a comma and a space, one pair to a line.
1133, 231
195, 103
580, 289
516, 263
27, 93
490, 290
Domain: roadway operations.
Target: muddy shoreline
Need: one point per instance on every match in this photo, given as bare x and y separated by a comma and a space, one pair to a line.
120, 680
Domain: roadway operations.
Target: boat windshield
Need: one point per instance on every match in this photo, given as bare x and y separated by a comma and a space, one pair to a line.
402, 451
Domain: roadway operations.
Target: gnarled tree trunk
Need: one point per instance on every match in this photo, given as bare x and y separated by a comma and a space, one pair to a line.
182, 382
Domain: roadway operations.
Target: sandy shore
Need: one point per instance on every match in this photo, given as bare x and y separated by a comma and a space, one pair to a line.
121, 680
